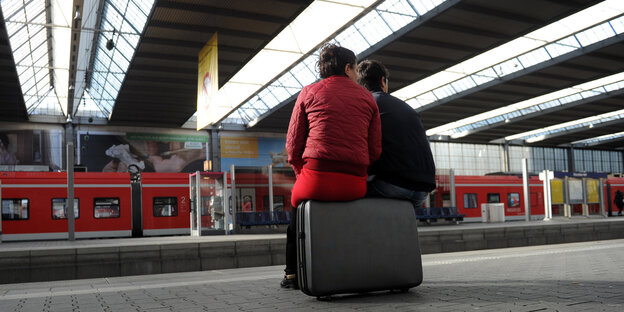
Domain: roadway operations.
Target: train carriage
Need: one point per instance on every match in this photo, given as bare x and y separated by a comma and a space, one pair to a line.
33, 205
165, 203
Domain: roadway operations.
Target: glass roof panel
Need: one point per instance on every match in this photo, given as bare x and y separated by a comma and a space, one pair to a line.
381, 22
353, 39
526, 51
28, 41
10, 8
123, 22
540, 134
373, 28
569, 96
618, 25
397, 13
599, 139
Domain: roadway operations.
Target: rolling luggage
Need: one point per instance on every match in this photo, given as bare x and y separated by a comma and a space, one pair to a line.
359, 246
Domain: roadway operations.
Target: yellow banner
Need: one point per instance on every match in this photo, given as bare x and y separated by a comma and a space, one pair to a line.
592, 191
239, 147
556, 188
207, 80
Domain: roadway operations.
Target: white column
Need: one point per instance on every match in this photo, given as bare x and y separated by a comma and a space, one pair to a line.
525, 189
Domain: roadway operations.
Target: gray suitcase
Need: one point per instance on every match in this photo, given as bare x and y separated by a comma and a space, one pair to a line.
359, 246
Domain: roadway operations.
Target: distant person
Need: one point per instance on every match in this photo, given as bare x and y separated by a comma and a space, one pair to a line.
333, 136
247, 205
6, 157
619, 201
405, 169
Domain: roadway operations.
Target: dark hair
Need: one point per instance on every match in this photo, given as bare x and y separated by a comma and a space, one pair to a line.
5, 139
370, 73
333, 60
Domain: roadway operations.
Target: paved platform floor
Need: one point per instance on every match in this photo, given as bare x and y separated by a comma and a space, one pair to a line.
586, 276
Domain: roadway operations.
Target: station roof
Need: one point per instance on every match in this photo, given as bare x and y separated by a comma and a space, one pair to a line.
542, 72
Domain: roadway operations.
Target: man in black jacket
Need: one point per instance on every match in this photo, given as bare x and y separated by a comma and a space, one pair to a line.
405, 169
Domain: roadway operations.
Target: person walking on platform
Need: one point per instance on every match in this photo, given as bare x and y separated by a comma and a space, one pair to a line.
405, 169
333, 136
619, 201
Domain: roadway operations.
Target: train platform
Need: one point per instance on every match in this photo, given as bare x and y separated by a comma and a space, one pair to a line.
93, 258
586, 276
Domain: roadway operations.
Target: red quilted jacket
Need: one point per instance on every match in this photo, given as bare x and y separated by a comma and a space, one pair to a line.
334, 127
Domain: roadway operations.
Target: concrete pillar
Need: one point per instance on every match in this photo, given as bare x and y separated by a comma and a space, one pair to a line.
215, 150
571, 166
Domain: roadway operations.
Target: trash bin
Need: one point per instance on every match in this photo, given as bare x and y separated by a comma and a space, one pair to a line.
485, 213
497, 212
493, 212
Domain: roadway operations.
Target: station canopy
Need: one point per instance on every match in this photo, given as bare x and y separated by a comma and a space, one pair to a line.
544, 72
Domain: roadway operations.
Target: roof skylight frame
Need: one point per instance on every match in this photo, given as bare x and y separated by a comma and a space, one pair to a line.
21, 21
611, 11
404, 12
565, 98
123, 22
567, 127
296, 41
599, 139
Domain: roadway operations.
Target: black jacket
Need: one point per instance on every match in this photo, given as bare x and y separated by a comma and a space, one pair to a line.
618, 198
406, 158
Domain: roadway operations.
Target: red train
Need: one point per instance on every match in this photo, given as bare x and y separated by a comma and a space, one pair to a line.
472, 191
118, 205
115, 205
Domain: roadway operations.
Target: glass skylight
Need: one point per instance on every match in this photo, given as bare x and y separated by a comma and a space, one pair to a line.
535, 106
25, 22
385, 19
599, 139
560, 129
287, 48
577, 31
123, 22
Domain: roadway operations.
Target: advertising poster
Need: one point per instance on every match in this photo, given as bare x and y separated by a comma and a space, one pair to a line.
556, 187
253, 152
109, 152
22, 148
592, 191
207, 81
575, 189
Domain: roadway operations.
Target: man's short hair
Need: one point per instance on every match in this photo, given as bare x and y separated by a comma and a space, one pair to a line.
370, 73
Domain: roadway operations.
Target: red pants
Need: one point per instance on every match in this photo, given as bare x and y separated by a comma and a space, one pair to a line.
327, 186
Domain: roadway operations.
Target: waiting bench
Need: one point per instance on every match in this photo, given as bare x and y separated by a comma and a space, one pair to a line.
262, 218
432, 214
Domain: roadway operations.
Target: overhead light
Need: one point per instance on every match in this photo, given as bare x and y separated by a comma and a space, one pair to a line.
535, 139
110, 44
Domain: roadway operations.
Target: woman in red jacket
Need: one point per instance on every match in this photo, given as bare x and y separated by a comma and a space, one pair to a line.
333, 136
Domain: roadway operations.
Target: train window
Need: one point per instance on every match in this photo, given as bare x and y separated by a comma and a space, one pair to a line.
165, 206
493, 198
278, 202
15, 209
513, 200
470, 200
105, 208
59, 209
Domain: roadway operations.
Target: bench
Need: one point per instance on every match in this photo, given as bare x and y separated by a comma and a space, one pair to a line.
256, 218
432, 214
